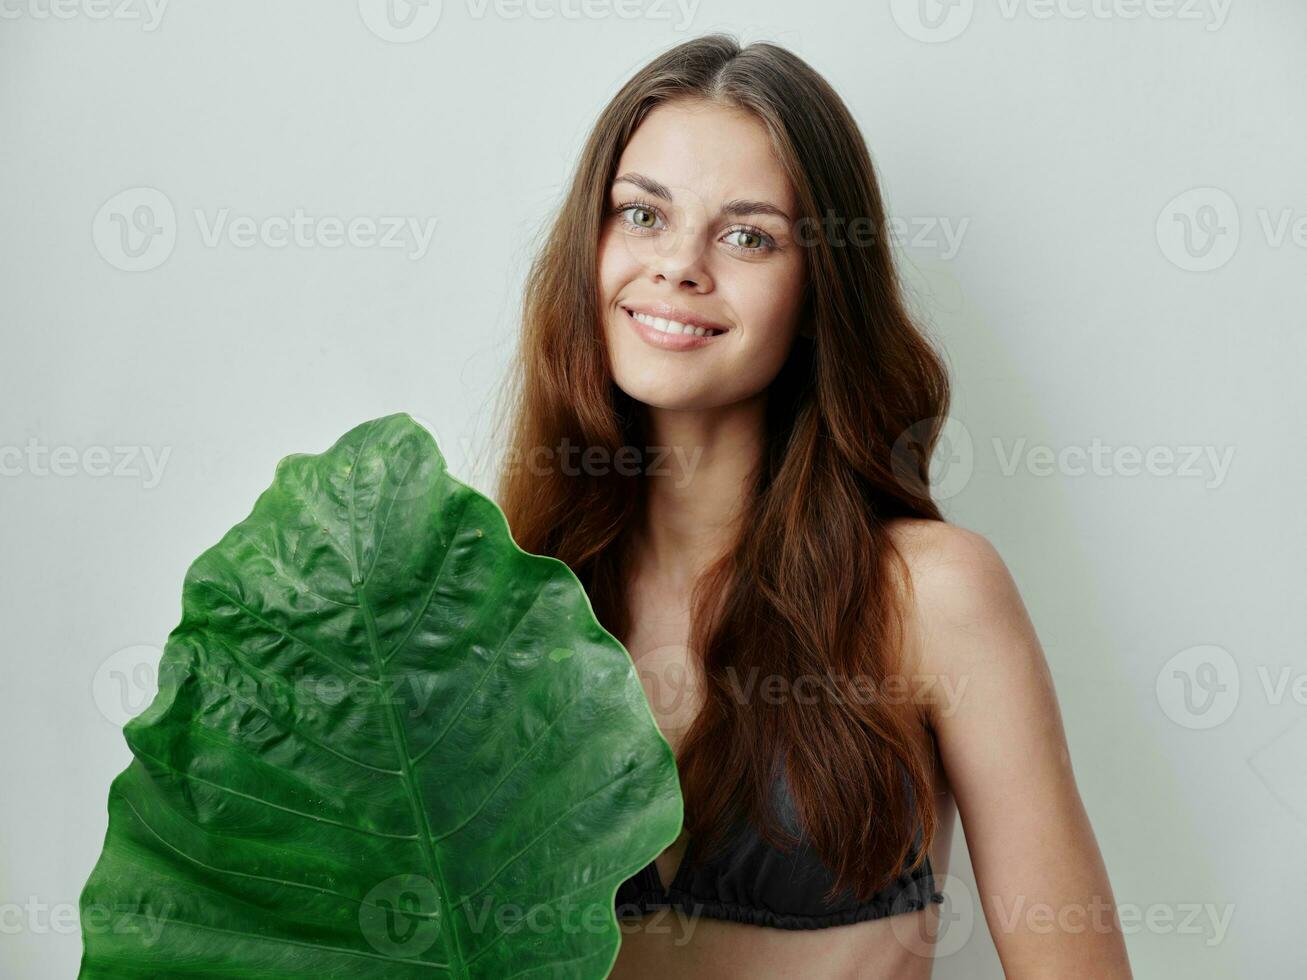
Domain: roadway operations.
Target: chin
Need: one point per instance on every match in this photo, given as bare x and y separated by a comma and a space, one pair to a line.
660, 380
665, 393
636, 372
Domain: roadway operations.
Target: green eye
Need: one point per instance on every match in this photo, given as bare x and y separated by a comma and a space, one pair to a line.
748, 240
638, 215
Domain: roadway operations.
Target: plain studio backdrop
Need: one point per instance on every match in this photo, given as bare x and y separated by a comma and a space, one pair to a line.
230, 232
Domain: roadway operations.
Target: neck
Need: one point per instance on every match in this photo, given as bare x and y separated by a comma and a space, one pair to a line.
697, 493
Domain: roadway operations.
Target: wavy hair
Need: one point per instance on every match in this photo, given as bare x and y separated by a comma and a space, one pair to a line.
816, 587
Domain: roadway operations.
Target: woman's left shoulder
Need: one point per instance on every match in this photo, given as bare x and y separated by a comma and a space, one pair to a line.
963, 611
952, 564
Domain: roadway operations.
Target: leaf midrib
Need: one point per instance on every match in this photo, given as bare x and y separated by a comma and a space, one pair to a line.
448, 930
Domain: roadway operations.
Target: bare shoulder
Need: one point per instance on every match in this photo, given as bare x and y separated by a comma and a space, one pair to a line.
963, 611
990, 702
955, 572
931, 544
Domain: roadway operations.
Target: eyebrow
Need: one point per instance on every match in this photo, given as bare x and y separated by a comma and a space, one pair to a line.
736, 207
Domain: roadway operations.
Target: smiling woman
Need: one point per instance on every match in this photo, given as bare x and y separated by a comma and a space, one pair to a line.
682, 300
699, 195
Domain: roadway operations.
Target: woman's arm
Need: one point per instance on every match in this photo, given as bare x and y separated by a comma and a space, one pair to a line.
1041, 879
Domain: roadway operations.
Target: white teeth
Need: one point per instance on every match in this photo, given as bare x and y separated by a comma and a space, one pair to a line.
673, 326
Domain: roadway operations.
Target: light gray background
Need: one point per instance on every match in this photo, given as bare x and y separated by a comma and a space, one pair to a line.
1066, 154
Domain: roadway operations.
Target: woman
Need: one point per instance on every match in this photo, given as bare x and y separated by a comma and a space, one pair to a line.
715, 330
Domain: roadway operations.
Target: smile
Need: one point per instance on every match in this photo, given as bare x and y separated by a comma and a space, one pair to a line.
667, 333
674, 326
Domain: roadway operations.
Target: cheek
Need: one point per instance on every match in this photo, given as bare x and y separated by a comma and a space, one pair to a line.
616, 266
769, 302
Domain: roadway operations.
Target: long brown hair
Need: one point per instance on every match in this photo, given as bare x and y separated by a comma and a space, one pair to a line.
816, 587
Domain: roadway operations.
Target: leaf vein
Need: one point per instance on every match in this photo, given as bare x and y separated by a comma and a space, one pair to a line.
269, 803
294, 942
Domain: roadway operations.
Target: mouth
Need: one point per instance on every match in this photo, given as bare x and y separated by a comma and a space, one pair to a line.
673, 322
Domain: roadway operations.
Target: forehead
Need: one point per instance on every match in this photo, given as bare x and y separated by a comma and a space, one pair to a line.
717, 153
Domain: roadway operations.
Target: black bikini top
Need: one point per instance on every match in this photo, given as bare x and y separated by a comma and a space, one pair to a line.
750, 881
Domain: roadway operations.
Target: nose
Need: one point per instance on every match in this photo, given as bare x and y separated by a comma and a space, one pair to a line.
696, 281
680, 258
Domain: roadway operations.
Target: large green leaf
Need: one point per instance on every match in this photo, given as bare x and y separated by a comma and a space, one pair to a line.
387, 743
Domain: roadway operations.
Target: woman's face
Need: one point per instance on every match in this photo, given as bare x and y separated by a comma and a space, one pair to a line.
698, 232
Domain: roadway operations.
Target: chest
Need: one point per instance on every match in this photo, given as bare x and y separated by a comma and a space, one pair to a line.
658, 643
658, 640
